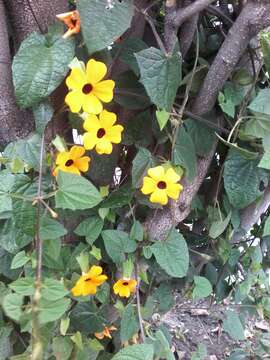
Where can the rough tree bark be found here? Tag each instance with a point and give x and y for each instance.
(25, 16)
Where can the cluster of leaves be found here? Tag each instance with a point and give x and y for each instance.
(100, 221)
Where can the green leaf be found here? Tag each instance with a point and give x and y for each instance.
(52, 310)
(141, 163)
(261, 105)
(86, 317)
(136, 232)
(202, 289)
(265, 161)
(5, 342)
(163, 297)
(244, 181)
(62, 347)
(135, 352)
(265, 47)
(51, 229)
(160, 75)
(103, 22)
(129, 47)
(129, 324)
(90, 228)
(184, 153)
(19, 260)
(43, 113)
(75, 192)
(23, 286)
(203, 136)
(233, 326)
(53, 289)
(12, 305)
(40, 66)
(6, 184)
(117, 243)
(266, 229)
(218, 227)
(162, 347)
(27, 150)
(119, 197)
(162, 118)
(172, 254)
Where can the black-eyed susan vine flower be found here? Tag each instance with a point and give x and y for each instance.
(105, 333)
(72, 161)
(72, 20)
(88, 89)
(125, 287)
(101, 132)
(89, 282)
(161, 184)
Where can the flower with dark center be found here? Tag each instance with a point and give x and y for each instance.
(161, 184)
(72, 161)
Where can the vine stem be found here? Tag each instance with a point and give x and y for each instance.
(139, 303)
(37, 346)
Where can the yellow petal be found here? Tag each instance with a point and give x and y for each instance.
(83, 163)
(132, 284)
(91, 104)
(173, 190)
(70, 169)
(89, 140)
(77, 290)
(74, 100)
(100, 279)
(91, 123)
(149, 185)
(62, 157)
(104, 147)
(95, 70)
(171, 176)
(76, 152)
(94, 271)
(107, 119)
(90, 288)
(76, 80)
(124, 291)
(104, 90)
(157, 173)
(159, 197)
(114, 134)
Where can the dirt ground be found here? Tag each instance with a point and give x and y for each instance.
(198, 322)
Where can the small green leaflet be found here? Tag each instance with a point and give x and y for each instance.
(202, 289)
(162, 118)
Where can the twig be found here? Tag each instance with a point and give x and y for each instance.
(154, 30)
(139, 303)
(37, 346)
(184, 14)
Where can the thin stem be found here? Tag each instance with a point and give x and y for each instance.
(37, 346)
(139, 303)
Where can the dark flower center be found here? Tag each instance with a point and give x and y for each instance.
(69, 162)
(125, 283)
(87, 88)
(89, 279)
(101, 132)
(161, 185)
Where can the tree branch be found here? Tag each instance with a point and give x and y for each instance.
(184, 14)
(251, 215)
(254, 17)
(11, 119)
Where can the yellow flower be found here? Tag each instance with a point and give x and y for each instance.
(72, 161)
(124, 287)
(161, 185)
(87, 89)
(101, 132)
(88, 283)
(72, 21)
(105, 333)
